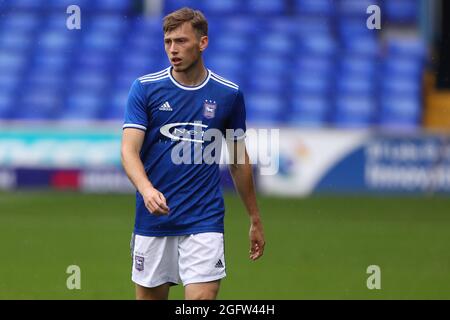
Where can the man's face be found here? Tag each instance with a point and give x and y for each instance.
(184, 46)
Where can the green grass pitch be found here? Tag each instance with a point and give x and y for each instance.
(317, 248)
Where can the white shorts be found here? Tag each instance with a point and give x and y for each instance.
(187, 259)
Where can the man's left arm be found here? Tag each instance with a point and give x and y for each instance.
(242, 174)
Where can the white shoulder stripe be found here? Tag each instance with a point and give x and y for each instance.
(155, 74)
(155, 79)
(223, 79)
(152, 77)
(224, 83)
(132, 125)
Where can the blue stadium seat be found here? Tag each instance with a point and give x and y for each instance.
(113, 5)
(7, 104)
(226, 65)
(401, 11)
(111, 23)
(248, 25)
(115, 110)
(21, 21)
(12, 61)
(51, 61)
(315, 7)
(354, 111)
(266, 82)
(29, 4)
(272, 64)
(403, 85)
(172, 5)
(320, 45)
(43, 78)
(219, 7)
(355, 7)
(309, 110)
(276, 43)
(52, 40)
(264, 108)
(402, 111)
(230, 43)
(17, 41)
(358, 64)
(83, 105)
(314, 64)
(64, 4)
(404, 66)
(90, 79)
(361, 45)
(312, 83)
(267, 7)
(40, 103)
(288, 25)
(101, 41)
(355, 84)
(9, 81)
(412, 47)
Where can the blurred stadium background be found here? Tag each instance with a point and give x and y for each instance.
(364, 167)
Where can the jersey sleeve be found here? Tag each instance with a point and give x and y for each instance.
(236, 121)
(136, 115)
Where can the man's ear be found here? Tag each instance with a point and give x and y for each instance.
(203, 43)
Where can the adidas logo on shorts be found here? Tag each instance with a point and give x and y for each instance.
(219, 264)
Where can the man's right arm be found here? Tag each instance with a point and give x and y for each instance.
(132, 140)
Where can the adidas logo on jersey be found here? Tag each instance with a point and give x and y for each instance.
(219, 264)
(166, 107)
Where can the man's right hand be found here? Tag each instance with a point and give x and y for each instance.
(155, 202)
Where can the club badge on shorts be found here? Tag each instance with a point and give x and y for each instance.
(209, 109)
(139, 263)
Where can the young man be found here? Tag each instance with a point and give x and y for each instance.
(178, 233)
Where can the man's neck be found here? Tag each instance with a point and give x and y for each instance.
(191, 77)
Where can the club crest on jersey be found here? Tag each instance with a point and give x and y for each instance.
(139, 263)
(209, 109)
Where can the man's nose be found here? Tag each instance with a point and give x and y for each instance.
(173, 48)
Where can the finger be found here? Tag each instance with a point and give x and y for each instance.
(154, 207)
(163, 202)
(160, 207)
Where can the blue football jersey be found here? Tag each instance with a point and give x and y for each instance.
(164, 108)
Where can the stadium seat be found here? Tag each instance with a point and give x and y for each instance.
(315, 7)
(312, 83)
(320, 45)
(83, 105)
(6, 103)
(353, 111)
(12, 61)
(314, 64)
(219, 7)
(402, 111)
(401, 11)
(113, 5)
(355, 84)
(265, 108)
(29, 4)
(267, 7)
(276, 43)
(309, 110)
(15, 41)
(21, 21)
(40, 103)
(355, 8)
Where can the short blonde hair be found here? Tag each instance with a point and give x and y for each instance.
(177, 18)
